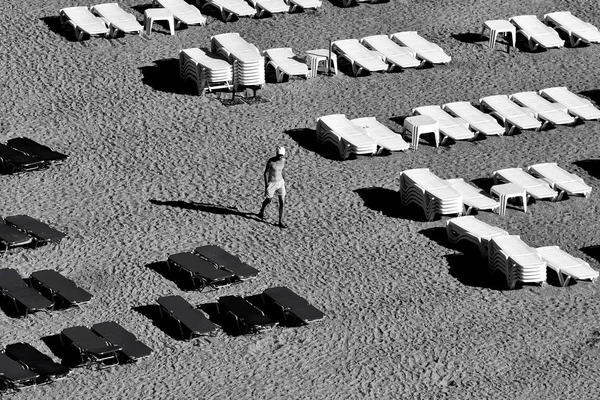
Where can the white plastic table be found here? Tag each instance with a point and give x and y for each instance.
(507, 191)
(500, 27)
(158, 14)
(420, 124)
(314, 57)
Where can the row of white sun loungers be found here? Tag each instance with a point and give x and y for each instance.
(101, 20)
(451, 127)
(183, 12)
(256, 8)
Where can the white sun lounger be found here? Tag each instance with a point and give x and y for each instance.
(549, 113)
(206, 69)
(285, 62)
(231, 8)
(304, 4)
(117, 19)
(534, 187)
(384, 136)
(183, 12)
(422, 47)
(536, 33)
(472, 230)
(577, 30)
(561, 180)
(348, 138)
(516, 260)
(248, 63)
(451, 127)
(473, 198)
(83, 22)
(358, 56)
(576, 105)
(566, 266)
(269, 7)
(478, 121)
(511, 115)
(392, 53)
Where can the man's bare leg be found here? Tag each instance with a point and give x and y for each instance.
(261, 213)
(281, 206)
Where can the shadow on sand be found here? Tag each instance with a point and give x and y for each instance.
(164, 76)
(209, 208)
(307, 138)
(591, 166)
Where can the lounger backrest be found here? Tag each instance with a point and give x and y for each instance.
(532, 25)
(13, 371)
(11, 280)
(113, 12)
(206, 59)
(354, 49)
(517, 250)
(520, 177)
(339, 124)
(415, 41)
(536, 102)
(467, 111)
(568, 21)
(35, 360)
(566, 97)
(476, 227)
(374, 128)
(503, 105)
(386, 46)
(63, 286)
(85, 338)
(282, 56)
(441, 116)
(553, 172)
(82, 16)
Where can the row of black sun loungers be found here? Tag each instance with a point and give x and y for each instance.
(60, 291)
(24, 154)
(22, 230)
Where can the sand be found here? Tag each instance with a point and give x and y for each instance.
(155, 169)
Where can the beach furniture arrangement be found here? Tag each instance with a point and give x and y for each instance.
(207, 70)
(518, 262)
(429, 192)
(303, 4)
(575, 105)
(423, 48)
(317, 57)
(360, 58)
(230, 8)
(450, 127)
(190, 321)
(419, 125)
(117, 19)
(285, 63)
(536, 33)
(183, 12)
(59, 288)
(473, 198)
(349, 139)
(246, 317)
(41, 232)
(222, 259)
(248, 63)
(478, 121)
(83, 22)
(90, 348)
(545, 111)
(201, 273)
(506, 191)
(269, 7)
(152, 15)
(560, 179)
(14, 375)
(25, 299)
(500, 27)
(291, 305)
(512, 115)
(385, 138)
(566, 266)
(534, 187)
(391, 52)
(577, 30)
(37, 362)
(472, 230)
(131, 348)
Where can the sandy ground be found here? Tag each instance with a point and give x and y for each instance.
(152, 165)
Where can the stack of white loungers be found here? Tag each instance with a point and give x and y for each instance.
(248, 63)
(516, 260)
(349, 138)
(472, 230)
(207, 70)
(431, 193)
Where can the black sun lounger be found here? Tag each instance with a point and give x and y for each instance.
(131, 347)
(59, 287)
(41, 232)
(291, 304)
(90, 347)
(247, 317)
(12, 161)
(13, 286)
(35, 149)
(202, 273)
(227, 261)
(186, 316)
(12, 237)
(14, 375)
(36, 361)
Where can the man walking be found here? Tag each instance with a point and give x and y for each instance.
(274, 184)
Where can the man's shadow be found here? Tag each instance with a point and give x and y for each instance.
(209, 208)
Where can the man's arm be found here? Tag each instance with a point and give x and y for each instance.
(266, 174)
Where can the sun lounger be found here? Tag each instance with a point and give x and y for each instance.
(478, 121)
(549, 113)
(14, 375)
(304, 4)
(349, 139)
(285, 62)
(116, 335)
(451, 127)
(14, 287)
(518, 262)
(512, 116)
(226, 261)
(566, 266)
(12, 237)
(472, 230)
(247, 317)
(201, 272)
(34, 149)
(249, 64)
(429, 192)
(91, 348)
(231, 8)
(577, 106)
(117, 19)
(359, 57)
(392, 53)
(12, 161)
(183, 12)
(473, 198)
(83, 22)
(577, 30)
(269, 7)
(188, 318)
(291, 305)
(536, 188)
(561, 180)
(207, 70)
(41, 232)
(59, 288)
(423, 48)
(383, 136)
(36, 361)
(536, 33)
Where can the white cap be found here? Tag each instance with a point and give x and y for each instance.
(281, 151)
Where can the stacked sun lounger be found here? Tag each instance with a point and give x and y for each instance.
(561, 180)
(536, 188)
(429, 192)
(472, 230)
(248, 63)
(575, 105)
(451, 127)
(518, 262)
(566, 266)
(349, 139)
(383, 136)
(549, 113)
(473, 198)
(577, 30)
(207, 70)
(423, 48)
